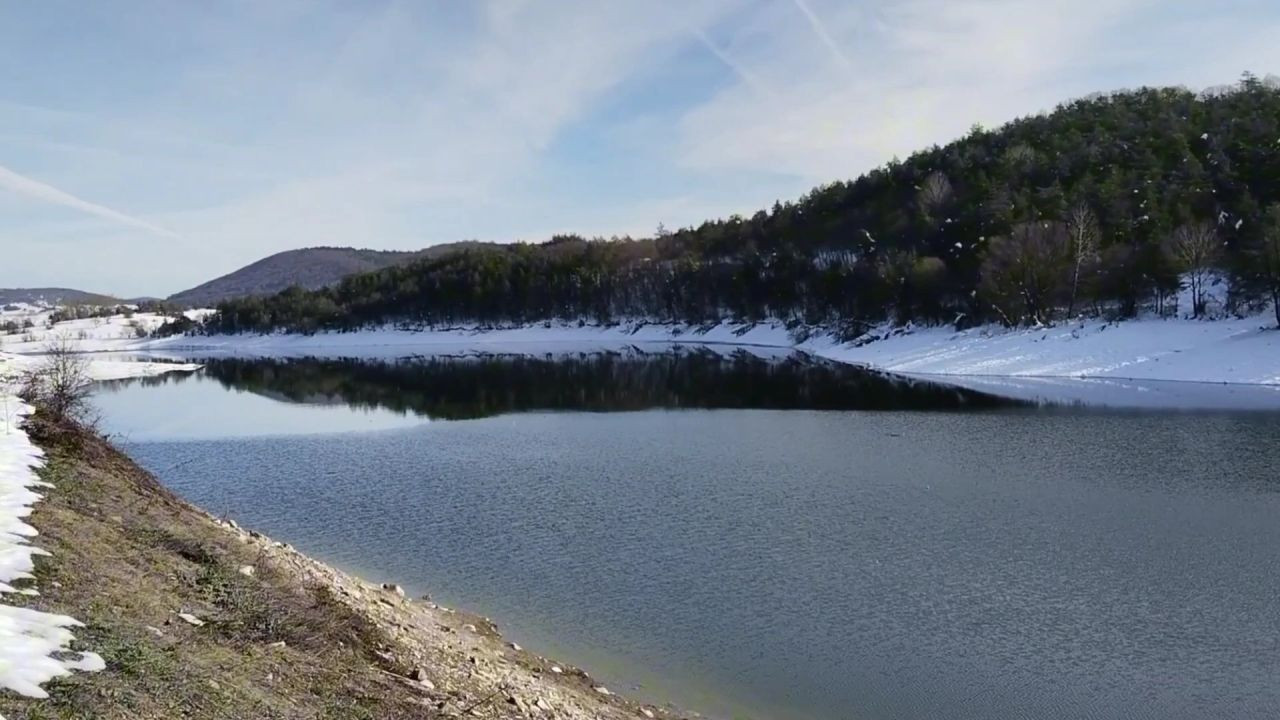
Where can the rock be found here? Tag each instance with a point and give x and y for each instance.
(542, 705)
(516, 647)
(155, 631)
(602, 690)
(556, 669)
(469, 627)
(427, 684)
(55, 584)
(646, 712)
(246, 570)
(191, 619)
(279, 644)
(393, 588)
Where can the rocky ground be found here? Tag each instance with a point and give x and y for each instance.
(199, 618)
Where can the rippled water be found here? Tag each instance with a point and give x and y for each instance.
(795, 563)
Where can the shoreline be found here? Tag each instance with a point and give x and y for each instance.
(135, 563)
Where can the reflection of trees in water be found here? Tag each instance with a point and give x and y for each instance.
(474, 387)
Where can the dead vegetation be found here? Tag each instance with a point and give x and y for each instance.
(197, 618)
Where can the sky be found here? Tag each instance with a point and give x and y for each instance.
(148, 145)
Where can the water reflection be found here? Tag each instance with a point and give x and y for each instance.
(473, 387)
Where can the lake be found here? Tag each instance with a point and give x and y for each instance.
(766, 537)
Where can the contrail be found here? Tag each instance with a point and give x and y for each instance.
(823, 35)
(24, 185)
(747, 76)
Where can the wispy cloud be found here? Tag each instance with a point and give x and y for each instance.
(823, 35)
(743, 74)
(399, 124)
(37, 190)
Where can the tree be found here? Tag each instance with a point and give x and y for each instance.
(1022, 274)
(935, 192)
(1194, 247)
(1264, 256)
(1083, 235)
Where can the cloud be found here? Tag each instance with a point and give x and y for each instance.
(257, 127)
(821, 31)
(37, 190)
(921, 72)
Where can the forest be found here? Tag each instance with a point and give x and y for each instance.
(1111, 205)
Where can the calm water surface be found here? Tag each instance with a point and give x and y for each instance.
(731, 551)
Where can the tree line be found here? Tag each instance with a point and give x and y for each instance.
(1109, 205)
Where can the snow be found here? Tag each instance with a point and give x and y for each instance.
(34, 646)
(89, 334)
(1144, 353)
(1224, 351)
(99, 336)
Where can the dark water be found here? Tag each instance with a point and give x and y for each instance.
(1003, 562)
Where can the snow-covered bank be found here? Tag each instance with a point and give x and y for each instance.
(97, 368)
(1141, 360)
(33, 645)
(1241, 351)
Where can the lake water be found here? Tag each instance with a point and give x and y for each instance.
(767, 538)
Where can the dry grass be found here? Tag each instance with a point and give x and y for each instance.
(128, 555)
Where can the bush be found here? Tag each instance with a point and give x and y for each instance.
(59, 386)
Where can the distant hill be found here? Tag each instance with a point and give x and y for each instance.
(54, 296)
(309, 268)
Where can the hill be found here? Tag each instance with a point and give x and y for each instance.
(54, 296)
(1105, 206)
(308, 268)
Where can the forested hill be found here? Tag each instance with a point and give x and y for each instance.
(308, 268)
(1100, 206)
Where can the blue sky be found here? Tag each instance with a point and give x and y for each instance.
(149, 145)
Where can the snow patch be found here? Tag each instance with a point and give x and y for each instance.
(34, 646)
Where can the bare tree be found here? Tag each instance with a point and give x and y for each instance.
(1265, 258)
(1023, 274)
(1083, 236)
(1194, 247)
(935, 192)
(60, 385)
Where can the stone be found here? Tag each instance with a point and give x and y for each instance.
(469, 627)
(155, 631)
(246, 570)
(191, 619)
(279, 644)
(556, 669)
(543, 705)
(393, 588)
(602, 690)
(646, 712)
(516, 647)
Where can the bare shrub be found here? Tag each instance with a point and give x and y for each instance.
(60, 385)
